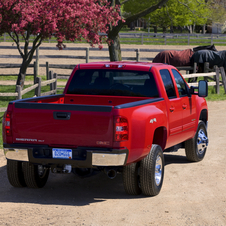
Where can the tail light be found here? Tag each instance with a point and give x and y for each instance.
(121, 129)
(7, 126)
(114, 66)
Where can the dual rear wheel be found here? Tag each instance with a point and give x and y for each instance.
(22, 174)
(145, 176)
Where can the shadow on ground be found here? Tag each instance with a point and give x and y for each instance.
(69, 189)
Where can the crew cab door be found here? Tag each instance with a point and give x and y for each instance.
(188, 104)
(175, 110)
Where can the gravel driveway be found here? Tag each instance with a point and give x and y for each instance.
(192, 193)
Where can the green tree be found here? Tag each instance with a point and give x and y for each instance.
(217, 9)
(114, 47)
(174, 12)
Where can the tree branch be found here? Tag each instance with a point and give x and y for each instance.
(26, 39)
(151, 9)
(38, 40)
(17, 41)
(125, 2)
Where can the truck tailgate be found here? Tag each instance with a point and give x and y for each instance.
(62, 124)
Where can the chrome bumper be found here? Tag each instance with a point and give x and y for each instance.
(93, 157)
(101, 159)
(16, 154)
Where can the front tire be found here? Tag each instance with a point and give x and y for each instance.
(35, 176)
(152, 171)
(15, 173)
(195, 148)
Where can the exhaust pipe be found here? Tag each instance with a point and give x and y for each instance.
(111, 173)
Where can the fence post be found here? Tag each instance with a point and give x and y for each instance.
(87, 55)
(223, 77)
(38, 89)
(188, 39)
(142, 39)
(47, 70)
(194, 67)
(35, 71)
(4, 37)
(55, 83)
(50, 77)
(206, 67)
(37, 61)
(217, 79)
(211, 39)
(137, 55)
(165, 40)
(18, 88)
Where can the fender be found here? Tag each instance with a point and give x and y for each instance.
(144, 122)
(200, 106)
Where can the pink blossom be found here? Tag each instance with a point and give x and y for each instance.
(64, 19)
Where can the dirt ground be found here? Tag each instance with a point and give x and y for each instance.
(192, 193)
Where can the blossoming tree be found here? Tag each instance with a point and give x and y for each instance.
(64, 19)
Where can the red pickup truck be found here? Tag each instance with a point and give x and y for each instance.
(115, 117)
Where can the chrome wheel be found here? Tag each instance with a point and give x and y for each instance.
(202, 142)
(158, 170)
(195, 148)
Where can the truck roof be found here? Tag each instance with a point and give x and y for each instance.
(122, 64)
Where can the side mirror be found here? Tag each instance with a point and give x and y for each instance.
(203, 89)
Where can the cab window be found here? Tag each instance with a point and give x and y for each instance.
(181, 85)
(168, 83)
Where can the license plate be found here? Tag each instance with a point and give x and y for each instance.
(62, 153)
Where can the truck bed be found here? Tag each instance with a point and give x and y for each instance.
(67, 120)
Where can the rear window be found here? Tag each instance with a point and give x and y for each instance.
(113, 83)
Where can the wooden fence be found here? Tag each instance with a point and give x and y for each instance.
(159, 38)
(37, 87)
(86, 57)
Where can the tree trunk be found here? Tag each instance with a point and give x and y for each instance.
(22, 73)
(171, 29)
(155, 29)
(114, 49)
(204, 29)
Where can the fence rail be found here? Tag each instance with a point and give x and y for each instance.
(37, 86)
(157, 38)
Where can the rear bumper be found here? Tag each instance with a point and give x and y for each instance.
(82, 157)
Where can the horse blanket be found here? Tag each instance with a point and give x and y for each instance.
(214, 58)
(176, 58)
(179, 58)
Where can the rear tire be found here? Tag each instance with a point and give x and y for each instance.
(15, 173)
(195, 148)
(35, 176)
(131, 179)
(152, 171)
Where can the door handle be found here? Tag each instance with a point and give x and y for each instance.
(184, 106)
(172, 109)
(62, 115)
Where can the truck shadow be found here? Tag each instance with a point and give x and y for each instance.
(175, 159)
(69, 189)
